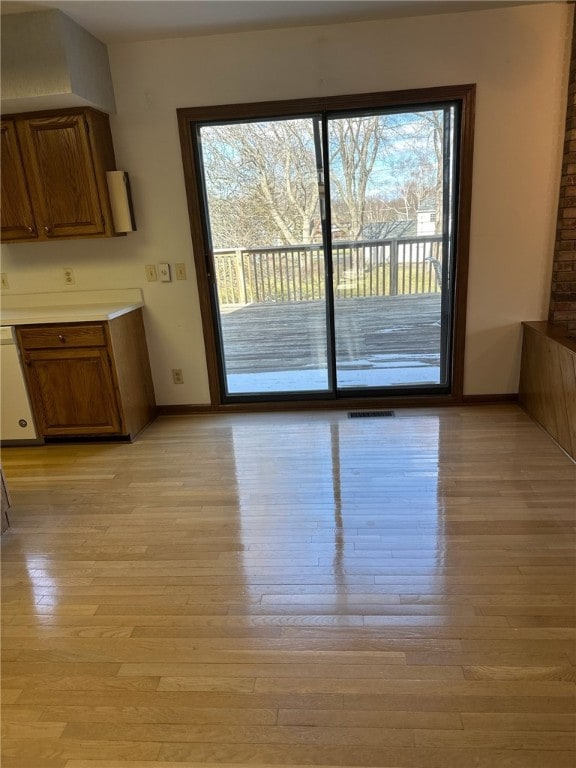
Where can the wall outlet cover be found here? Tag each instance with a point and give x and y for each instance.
(151, 273)
(180, 271)
(69, 276)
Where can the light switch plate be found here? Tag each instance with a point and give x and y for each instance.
(164, 273)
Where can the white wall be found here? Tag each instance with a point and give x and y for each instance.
(518, 57)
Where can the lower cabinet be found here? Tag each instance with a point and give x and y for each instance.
(89, 379)
(547, 389)
(73, 391)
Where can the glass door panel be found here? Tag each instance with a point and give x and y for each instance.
(391, 221)
(261, 182)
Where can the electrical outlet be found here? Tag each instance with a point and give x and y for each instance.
(5, 283)
(164, 273)
(180, 271)
(177, 376)
(151, 273)
(69, 276)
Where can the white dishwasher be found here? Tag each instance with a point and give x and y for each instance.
(16, 420)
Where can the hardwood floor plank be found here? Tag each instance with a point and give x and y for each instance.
(167, 712)
(565, 674)
(504, 721)
(200, 699)
(67, 749)
(486, 739)
(389, 668)
(364, 719)
(215, 683)
(62, 669)
(16, 762)
(245, 734)
(12, 713)
(32, 730)
(333, 684)
(441, 702)
(56, 682)
(160, 629)
(509, 657)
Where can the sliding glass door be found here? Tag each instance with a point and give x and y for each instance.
(391, 221)
(329, 243)
(265, 228)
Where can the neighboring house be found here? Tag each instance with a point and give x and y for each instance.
(426, 217)
(426, 222)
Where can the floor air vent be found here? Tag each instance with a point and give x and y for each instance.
(369, 414)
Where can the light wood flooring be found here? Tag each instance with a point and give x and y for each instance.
(293, 590)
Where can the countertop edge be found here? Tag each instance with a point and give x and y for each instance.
(71, 314)
(557, 333)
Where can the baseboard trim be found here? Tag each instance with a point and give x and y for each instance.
(445, 401)
(185, 410)
(502, 399)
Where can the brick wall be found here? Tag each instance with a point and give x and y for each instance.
(563, 294)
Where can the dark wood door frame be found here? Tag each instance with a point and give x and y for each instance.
(426, 97)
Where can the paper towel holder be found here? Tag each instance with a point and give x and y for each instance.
(121, 201)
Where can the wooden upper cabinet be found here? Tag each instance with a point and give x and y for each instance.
(64, 157)
(17, 219)
(62, 177)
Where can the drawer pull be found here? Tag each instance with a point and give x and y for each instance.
(62, 338)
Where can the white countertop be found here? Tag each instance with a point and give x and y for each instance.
(72, 307)
(81, 313)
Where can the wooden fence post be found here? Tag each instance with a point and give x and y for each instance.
(240, 276)
(394, 267)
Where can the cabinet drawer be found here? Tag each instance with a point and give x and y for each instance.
(60, 336)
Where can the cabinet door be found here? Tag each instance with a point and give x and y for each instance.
(63, 186)
(17, 220)
(72, 392)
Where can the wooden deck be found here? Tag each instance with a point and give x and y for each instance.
(292, 336)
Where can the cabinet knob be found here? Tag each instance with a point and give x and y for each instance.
(62, 338)
(30, 229)
(47, 228)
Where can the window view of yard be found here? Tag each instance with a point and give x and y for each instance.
(363, 204)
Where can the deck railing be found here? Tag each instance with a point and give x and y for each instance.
(361, 268)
